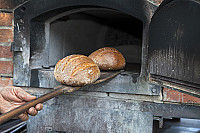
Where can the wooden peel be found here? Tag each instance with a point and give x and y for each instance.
(60, 89)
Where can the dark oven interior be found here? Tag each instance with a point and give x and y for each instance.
(55, 30)
(82, 31)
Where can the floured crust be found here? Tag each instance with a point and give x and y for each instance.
(76, 70)
(108, 59)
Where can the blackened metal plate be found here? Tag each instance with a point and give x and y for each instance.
(174, 42)
(171, 110)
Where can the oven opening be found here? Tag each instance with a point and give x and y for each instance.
(82, 32)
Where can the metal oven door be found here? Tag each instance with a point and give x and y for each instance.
(174, 46)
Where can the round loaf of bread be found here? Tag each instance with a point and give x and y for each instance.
(76, 70)
(108, 58)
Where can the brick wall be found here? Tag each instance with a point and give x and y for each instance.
(6, 37)
(170, 95)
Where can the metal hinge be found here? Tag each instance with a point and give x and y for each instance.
(16, 48)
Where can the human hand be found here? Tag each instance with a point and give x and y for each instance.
(12, 97)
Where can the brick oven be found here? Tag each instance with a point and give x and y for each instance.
(160, 44)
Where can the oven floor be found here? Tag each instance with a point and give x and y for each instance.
(128, 76)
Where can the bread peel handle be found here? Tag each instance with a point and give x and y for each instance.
(60, 89)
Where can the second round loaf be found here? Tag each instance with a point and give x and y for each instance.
(108, 58)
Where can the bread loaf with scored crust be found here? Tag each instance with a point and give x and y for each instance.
(108, 58)
(76, 70)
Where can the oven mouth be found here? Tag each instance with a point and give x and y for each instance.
(82, 31)
(50, 33)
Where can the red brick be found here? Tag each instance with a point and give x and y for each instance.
(171, 95)
(6, 67)
(6, 82)
(6, 35)
(190, 99)
(5, 51)
(6, 19)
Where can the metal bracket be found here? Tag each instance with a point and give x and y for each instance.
(160, 119)
(155, 88)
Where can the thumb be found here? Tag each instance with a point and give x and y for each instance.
(23, 95)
